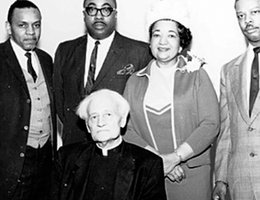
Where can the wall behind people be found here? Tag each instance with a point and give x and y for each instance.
(216, 34)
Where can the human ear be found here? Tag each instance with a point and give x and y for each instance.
(123, 121)
(86, 123)
(8, 27)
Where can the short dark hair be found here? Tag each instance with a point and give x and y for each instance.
(184, 33)
(86, 0)
(20, 4)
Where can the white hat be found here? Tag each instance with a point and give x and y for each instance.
(168, 9)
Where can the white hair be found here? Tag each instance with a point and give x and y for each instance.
(121, 103)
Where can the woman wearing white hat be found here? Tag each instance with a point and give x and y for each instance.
(174, 108)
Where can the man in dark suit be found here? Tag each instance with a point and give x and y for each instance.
(26, 105)
(107, 167)
(116, 58)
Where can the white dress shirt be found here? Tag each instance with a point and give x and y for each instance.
(102, 51)
(22, 59)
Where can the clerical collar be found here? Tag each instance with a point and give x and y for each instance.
(113, 149)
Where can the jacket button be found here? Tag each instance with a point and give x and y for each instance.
(68, 109)
(65, 185)
(28, 101)
(21, 155)
(250, 128)
(252, 154)
(26, 128)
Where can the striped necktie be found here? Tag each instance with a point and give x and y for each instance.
(92, 69)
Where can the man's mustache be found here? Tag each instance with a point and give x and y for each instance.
(250, 26)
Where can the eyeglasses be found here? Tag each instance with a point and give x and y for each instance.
(105, 11)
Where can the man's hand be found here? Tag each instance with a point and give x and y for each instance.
(220, 191)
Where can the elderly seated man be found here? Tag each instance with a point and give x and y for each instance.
(107, 168)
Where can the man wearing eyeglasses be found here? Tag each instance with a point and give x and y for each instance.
(100, 59)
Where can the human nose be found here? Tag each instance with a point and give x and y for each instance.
(248, 19)
(99, 14)
(101, 121)
(30, 30)
(163, 40)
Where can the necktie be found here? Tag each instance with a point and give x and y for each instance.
(30, 67)
(254, 84)
(92, 68)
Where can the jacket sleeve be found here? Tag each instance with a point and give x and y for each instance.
(154, 189)
(208, 115)
(58, 81)
(224, 140)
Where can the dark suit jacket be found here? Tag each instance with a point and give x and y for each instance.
(15, 106)
(139, 174)
(124, 57)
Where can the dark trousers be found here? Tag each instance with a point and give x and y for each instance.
(34, 182)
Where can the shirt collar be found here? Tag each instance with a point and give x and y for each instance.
(110, 149)
(20, 54)
(147, 71)
(250, 47)
(105, 41)
(19, 51)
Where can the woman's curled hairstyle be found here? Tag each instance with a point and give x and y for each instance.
(184, 33)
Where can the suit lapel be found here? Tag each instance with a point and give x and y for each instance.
(44, 66)
(14, 65)
(238, 87)
(182, 82)
(113, 55)
(79, 65)
(125, 174)
(46, 72)
(256, 108)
